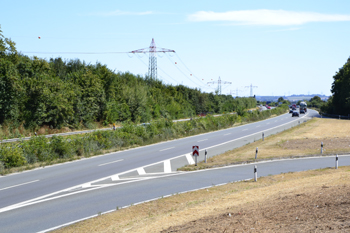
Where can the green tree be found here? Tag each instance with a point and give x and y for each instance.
(341, 91)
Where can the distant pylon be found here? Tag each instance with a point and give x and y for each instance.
(219, 84)
(152, 50)
(232, 92)
(251, 89)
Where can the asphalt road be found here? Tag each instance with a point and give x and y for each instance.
(44, 198)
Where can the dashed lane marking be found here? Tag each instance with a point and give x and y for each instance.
(19, 185)
(111, 162)
(167, 148)
(203, 140)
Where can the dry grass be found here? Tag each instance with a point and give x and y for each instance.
(180, 209)
(303, 140)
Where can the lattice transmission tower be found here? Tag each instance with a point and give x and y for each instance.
(232, 92)
(219, 84)
(152, 64)
(251, 89)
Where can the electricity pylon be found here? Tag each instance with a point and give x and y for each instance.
(152, 50)
(219, 84)
(251, 89)
(232, 92)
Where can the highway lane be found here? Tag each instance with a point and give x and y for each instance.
(73, 206)
(31, 184)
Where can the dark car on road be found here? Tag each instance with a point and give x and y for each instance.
(291, 111)
(302, 111)
(295, 114)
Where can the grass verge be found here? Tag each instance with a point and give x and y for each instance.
(300, 141)
(234, 198)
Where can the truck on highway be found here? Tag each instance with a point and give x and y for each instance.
(303, 106)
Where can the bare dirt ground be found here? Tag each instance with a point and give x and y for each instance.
(323, 208)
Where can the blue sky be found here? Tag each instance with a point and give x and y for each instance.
(281, 47)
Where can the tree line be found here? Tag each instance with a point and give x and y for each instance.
(339, 102)
(70, 93)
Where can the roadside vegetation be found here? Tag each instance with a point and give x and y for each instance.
(42, 151)
(339, 102)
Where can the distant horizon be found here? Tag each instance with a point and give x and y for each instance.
(294, 95)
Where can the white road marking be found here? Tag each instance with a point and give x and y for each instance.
(189, 159)
(146, 201)
(141, 171)
(244, 129)
(203, 140)
(188, 156)
(111, 162)
(87, 185)
(227, 134)
(115, 177)
(167, 166)
(167, 148)
(19, 185)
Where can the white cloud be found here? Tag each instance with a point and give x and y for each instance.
(118, 13)
(267, 17)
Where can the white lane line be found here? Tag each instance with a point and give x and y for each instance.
(87, 185)
(203, 140)
(141, 171)
(244, 129)
(227, 134)
(188, 156)
(189, 159)
(167, 148)
(111, 162)
(167, 166)
(19, 185)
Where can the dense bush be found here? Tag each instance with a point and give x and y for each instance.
(41, 149)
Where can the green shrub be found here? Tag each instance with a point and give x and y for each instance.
(12, 156)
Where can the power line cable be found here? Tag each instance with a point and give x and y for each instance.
(158, 68)
(184, 73)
